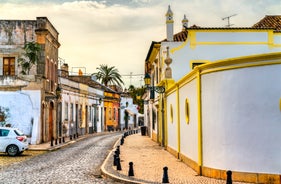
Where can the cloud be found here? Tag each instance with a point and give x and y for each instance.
(119, 32)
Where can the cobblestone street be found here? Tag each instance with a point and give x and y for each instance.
(77, 163)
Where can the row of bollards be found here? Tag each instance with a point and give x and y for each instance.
(57, 141)
(165, 178)
(62, 139)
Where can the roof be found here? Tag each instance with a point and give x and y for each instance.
(270, 21)
(179, 37)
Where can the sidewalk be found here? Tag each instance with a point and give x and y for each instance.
(47, 146)
(149, 159)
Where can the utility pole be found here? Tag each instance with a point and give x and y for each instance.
(228, 22)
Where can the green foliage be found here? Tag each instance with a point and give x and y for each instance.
(136, 94)
(108, 75)
(30, 57)
(4, 115)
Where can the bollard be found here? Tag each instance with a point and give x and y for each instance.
(74, 136)
(52, 144)
(165, 175)
(118, 164)
(60, 140)
(56, 141)
(77, 135)
(122, 141)
(118, 150)
(131, 169)
(228, 179)
(115, 160)
(116, 153)
(63, 140)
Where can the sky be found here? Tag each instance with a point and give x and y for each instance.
(119, 32)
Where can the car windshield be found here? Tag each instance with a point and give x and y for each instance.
(18, 132)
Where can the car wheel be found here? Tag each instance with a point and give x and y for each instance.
(12, 150)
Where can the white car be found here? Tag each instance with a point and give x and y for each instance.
(12, 141)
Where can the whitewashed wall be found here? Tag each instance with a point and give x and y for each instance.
(189, 132)
(212, 46)
(172, 122)
(242, 119)
(24, 108)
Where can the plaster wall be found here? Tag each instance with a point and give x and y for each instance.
(241, 119)
(171, 118)
(189, 130)
(24, 111)
(213, 46)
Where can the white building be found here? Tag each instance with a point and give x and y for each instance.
(81, 105)
(129, 114)
(221, 108)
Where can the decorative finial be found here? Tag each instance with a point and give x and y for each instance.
(168, 61)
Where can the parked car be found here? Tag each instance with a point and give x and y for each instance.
(12, 141)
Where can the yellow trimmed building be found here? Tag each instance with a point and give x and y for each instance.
(222, 106)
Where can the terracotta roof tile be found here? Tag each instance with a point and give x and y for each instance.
(179, 37)
(270, 21)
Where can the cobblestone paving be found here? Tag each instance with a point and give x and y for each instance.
(77, 163)
(6, 160)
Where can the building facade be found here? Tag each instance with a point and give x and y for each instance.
(221, 107)
(30, 98)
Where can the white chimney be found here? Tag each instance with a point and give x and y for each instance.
(184, 23)
(170, 25)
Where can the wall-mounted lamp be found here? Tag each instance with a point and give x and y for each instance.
(99, 101)
(147, 81)
(58, 92)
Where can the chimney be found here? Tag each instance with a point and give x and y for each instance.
(169, 25)
(64, 70)
(184, 23)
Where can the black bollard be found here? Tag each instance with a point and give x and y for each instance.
(118, 150)
(165, 175)
(77, 135)
(52, 144)
(118, 164)
(63, 140)
(131, 169)
(122, 141)
(115, 160)
(228, 179)
(74, 136)
(70, 137)
(56, 141)
(60, 140)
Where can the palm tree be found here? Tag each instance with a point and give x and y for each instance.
(108, 75)
(30, 57)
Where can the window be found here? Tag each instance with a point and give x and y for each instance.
(194, 63)
(4, 132)
(8, 66)
(66, 110)
(114, 114)
(186, 111)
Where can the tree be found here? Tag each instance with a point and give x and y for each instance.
(108, 75)
(136, 94)
(30, 57)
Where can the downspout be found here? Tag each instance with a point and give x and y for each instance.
(163, 122)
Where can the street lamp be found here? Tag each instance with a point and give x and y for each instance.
(147, 81)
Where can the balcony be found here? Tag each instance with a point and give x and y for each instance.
(8, 83)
